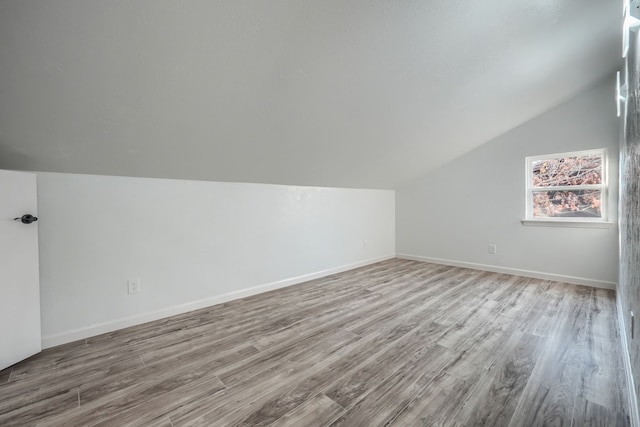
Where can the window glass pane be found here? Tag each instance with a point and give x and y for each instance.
(575, 170)
(575, 203)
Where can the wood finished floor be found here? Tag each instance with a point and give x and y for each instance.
(397, 343)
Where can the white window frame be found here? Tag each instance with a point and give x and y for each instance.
(601, 222)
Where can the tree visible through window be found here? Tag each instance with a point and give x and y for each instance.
(567, 185)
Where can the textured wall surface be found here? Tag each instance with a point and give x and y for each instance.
(629, 287)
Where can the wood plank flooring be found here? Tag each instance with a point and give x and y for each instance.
(397, 343)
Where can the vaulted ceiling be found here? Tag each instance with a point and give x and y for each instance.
(359, 93)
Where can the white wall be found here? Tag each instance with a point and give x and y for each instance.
(191, 243)
(453, 213)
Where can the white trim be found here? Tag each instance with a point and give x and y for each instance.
(630, 22)
(631, 389)
(622, 92)
(571, 224)
(515, 271)
(125, 322)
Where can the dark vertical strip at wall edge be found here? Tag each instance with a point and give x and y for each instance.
(629, 221)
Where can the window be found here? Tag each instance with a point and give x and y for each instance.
(567, 187)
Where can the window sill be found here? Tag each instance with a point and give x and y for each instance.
(570, 224)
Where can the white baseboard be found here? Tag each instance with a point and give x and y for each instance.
(631, 388)
(125, 322)
(514, 271)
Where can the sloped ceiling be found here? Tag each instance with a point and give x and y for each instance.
(354, 93)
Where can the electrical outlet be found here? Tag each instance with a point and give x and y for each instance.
(133, 286)
(493, 248)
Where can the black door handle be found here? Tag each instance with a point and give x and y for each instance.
(26, 219)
